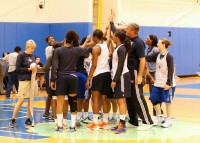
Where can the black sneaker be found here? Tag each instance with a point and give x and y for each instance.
(28, 122)
(12, 123)
(51, 118)
(72, 129)
(59, 129)
(44, 116)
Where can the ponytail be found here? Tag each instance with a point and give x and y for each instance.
(127, 43)
(124, 40)
(166, 42)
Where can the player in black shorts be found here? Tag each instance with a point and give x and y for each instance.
(64, 78)
(121, 77)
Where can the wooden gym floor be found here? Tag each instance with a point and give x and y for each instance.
(185, 129)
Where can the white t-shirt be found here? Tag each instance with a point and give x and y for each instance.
(48, 51)
(11, 59)
(161, 74)
(115, 60)
(102, 61)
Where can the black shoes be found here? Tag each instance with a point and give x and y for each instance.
(12, 123)
(28, 122)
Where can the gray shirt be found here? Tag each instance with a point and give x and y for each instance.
(152, 65)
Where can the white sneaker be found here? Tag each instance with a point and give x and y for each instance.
(167, 123)
(87, 120)
(144, 127)
(158, 121)
(128, 125)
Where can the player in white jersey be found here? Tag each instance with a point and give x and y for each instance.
(164, 82)
(121, 77)
(100, 79)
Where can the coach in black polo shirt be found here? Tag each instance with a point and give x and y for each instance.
(136, 62)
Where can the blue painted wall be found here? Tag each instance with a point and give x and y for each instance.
(58, 30)
(185, 49)
(13, 34)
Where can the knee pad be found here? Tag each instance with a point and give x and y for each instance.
(66, 97)
(54, 97)
(73, 103)
(155, 103)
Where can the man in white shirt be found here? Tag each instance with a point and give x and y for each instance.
(12, 73)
